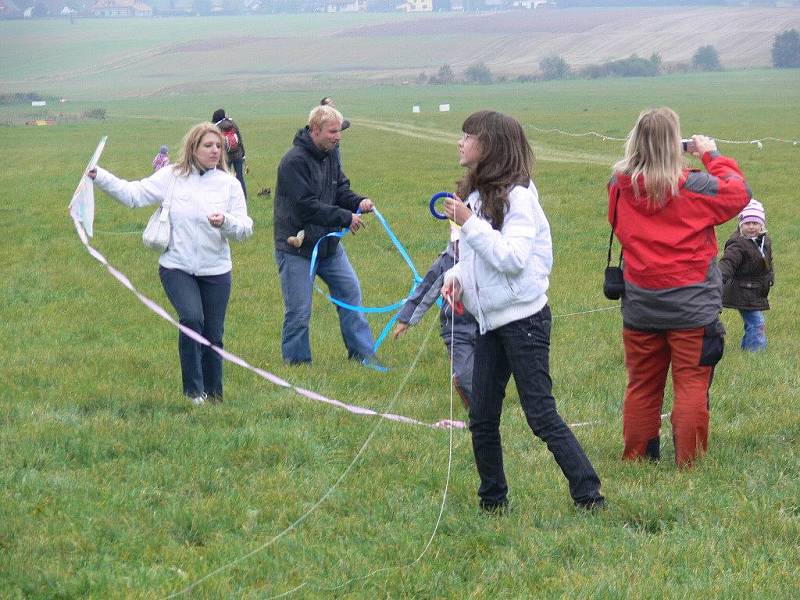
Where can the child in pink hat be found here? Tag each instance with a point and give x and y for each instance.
(747, 274)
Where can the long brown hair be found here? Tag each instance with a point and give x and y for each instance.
(653, 150)
(191, 141)
(506, 160)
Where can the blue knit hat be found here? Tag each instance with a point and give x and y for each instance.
(163, 150)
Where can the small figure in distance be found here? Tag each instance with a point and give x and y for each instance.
(328, 101)
(161, 159)
(234, 144)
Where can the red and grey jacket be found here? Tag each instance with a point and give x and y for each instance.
(672, 280)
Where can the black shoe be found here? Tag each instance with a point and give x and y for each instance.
(494, 508)
(593, 505)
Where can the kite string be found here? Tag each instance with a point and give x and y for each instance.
(324, 496)
(445, 491)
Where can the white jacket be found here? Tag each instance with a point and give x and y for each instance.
(194, 246)
(504, 274)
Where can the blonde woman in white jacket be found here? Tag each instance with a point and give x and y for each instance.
(502, 279)
(207, 208)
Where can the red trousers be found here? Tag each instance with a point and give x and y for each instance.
(648, 355)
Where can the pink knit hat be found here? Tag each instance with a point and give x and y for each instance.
(753, 213)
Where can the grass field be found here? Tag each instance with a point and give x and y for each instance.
(112, 486)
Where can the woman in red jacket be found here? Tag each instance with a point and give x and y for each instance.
(664, 216)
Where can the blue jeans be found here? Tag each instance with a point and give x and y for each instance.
(522, 348)
(238, 168)
(201, 302)
(755, 330)
(297, 288)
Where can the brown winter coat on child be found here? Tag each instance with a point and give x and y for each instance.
(746, 274)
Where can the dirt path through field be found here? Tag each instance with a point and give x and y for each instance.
(543, 152)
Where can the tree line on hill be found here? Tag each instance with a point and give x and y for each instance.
(785, 54)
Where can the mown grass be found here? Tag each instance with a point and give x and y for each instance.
(111, 485)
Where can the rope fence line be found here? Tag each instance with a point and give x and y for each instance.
(759, 142)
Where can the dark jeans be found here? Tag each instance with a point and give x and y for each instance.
(201, 302)
(238, 167)
(522, 348)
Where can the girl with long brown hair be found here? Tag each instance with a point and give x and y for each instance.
(502, 279)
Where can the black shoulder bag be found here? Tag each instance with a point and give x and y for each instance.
(613, 283)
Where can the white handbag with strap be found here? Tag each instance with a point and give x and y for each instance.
(157, 234)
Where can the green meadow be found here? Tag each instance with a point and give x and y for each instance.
(113, 486)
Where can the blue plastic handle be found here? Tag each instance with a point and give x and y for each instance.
(434, 198)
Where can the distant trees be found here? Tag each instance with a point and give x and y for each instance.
(706, 58)
(20, 98)
(94, 113)
(633, 66)
(443, 77)
(478, 73)
(786, 50)
(554, 67)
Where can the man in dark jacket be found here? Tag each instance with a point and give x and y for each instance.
(235, 148)
(313, 194)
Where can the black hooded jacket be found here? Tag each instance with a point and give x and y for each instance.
(313, 194)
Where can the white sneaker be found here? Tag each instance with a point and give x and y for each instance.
(197, 400)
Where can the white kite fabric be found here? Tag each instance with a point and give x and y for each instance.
(81, 207)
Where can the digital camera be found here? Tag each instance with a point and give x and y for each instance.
(688, 146)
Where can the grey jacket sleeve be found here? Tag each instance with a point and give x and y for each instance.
(426, 293)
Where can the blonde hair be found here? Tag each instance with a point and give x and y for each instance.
(320, 115)
(653, 150)
(191, 141)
